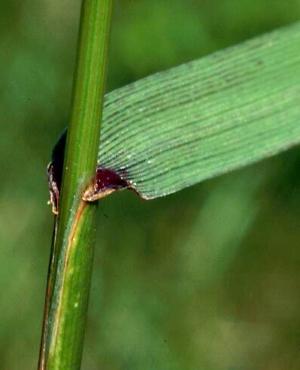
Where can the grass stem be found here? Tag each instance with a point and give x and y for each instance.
(72, 250)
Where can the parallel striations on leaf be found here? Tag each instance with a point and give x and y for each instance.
(207, 117)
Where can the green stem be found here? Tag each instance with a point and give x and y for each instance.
(72, 256)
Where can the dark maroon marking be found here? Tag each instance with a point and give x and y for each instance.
(105, 178)
(57, 160)
(108, 179)
(55, 170)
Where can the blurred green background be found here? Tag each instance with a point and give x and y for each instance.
(204, 279)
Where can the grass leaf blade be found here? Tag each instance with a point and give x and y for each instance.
(204, 118)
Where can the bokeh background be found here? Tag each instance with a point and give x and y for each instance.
(204, 279)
